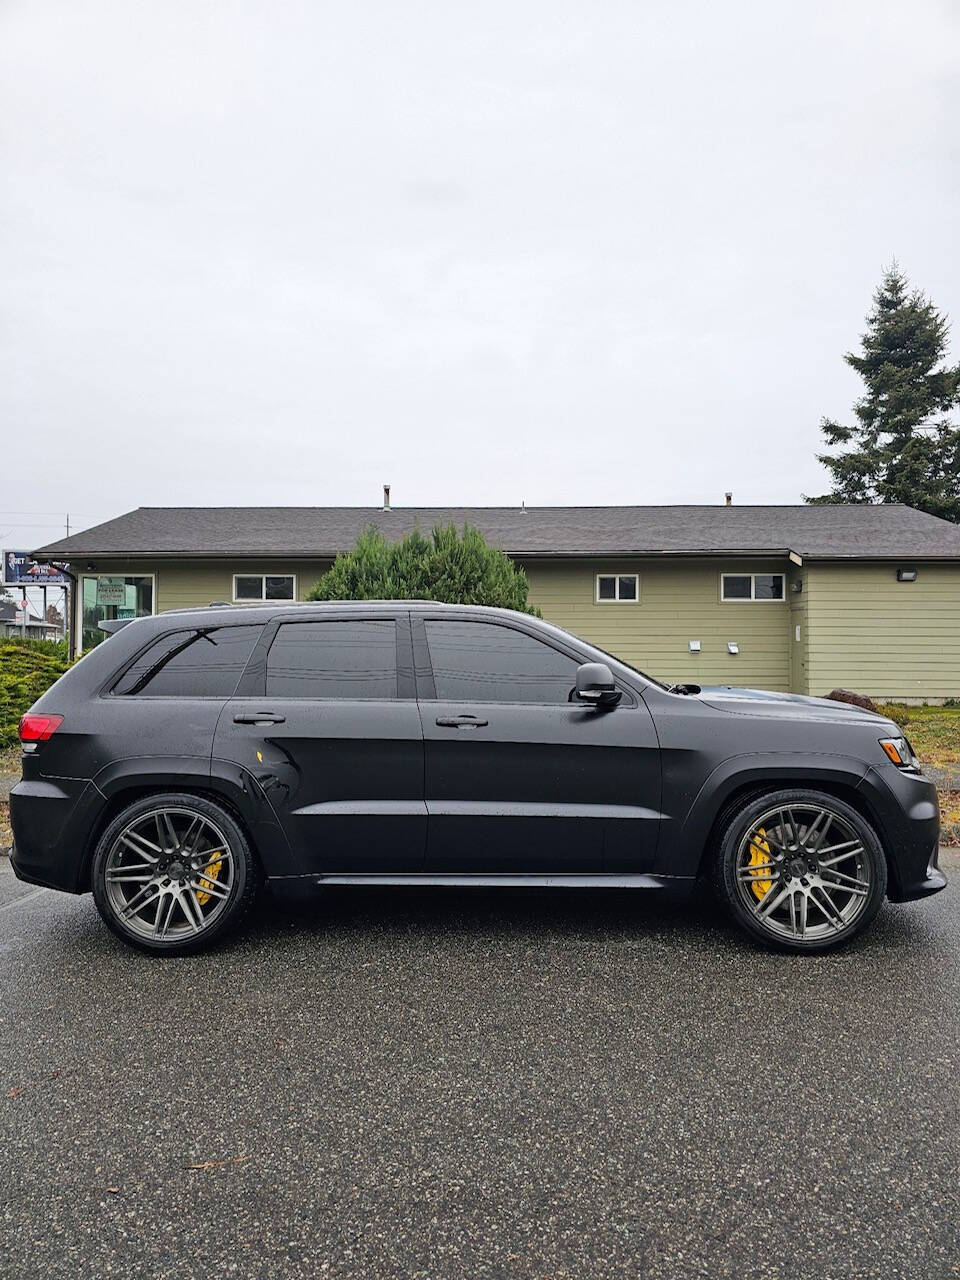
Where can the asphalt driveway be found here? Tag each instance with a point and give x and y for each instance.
(496, 1084)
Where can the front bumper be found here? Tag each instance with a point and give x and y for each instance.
(908, 810)
(51, 820)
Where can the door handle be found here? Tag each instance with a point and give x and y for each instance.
(460, 722)
(259, 717)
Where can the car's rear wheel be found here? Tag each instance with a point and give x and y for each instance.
(800, 869)
(172, 873)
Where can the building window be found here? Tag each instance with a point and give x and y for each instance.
(751, 586)
(618, 588)
(108, 597)
(264, 586)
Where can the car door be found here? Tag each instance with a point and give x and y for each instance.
(519, 778)
(326, 721)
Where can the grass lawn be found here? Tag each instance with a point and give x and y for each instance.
(934, 732)
(950, 812)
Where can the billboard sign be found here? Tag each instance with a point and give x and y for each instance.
(21, 570)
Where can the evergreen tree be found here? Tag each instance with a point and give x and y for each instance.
(459, 568)
(903, 446)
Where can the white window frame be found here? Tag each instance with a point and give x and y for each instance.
(263, 587)
(752, 598)
(626, 573)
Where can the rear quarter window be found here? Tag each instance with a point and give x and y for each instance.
(204, 663)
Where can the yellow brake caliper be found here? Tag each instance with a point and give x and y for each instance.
(210, 872)
(760, 857)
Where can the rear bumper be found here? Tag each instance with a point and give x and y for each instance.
(909, 812)
(51, 819)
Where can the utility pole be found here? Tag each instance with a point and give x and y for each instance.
(66, 602)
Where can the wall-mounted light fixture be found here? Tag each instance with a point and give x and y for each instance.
(732, 646)
(906, 575)
(694, 646)
(797, 586)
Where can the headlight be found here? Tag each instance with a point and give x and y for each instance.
(900, 752)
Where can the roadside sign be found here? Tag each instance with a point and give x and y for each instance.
(21, 570)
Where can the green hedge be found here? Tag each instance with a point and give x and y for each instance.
(27, 669)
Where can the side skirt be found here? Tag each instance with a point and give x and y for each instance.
(680, 885)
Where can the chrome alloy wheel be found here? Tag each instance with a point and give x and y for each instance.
(169, 875)
(803, 873)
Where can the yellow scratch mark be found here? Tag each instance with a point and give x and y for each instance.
(260, 756)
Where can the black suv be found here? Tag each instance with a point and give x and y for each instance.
(194, 754)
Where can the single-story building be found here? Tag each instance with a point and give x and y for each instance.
(794, 598)
(14, 622)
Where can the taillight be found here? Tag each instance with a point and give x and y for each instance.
(38, 728)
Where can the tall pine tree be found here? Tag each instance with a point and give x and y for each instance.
(903, 446)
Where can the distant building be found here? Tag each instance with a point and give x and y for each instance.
(34, 626)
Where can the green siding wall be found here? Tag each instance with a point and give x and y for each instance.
(859, 628)
(881, 637)
(186, 584)
(679, 602)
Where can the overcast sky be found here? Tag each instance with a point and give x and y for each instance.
(272, 252)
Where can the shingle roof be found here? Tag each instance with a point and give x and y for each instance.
(814, 531)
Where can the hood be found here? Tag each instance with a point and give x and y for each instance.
(793, 705)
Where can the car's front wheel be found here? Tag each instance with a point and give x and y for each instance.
(172, 873)
(801, 869)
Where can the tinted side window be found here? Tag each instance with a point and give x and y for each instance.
(333, 660)
(483, 662)
(191, 664)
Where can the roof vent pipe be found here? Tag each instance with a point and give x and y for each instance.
(729, 498)
(386, 497)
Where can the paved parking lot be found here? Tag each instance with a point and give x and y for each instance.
(498, 1084)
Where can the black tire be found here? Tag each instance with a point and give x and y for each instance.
(194, 926)
(855, 893)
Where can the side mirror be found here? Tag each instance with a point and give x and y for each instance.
(595, 684)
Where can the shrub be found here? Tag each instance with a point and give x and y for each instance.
(458, 568)
(27, 669)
